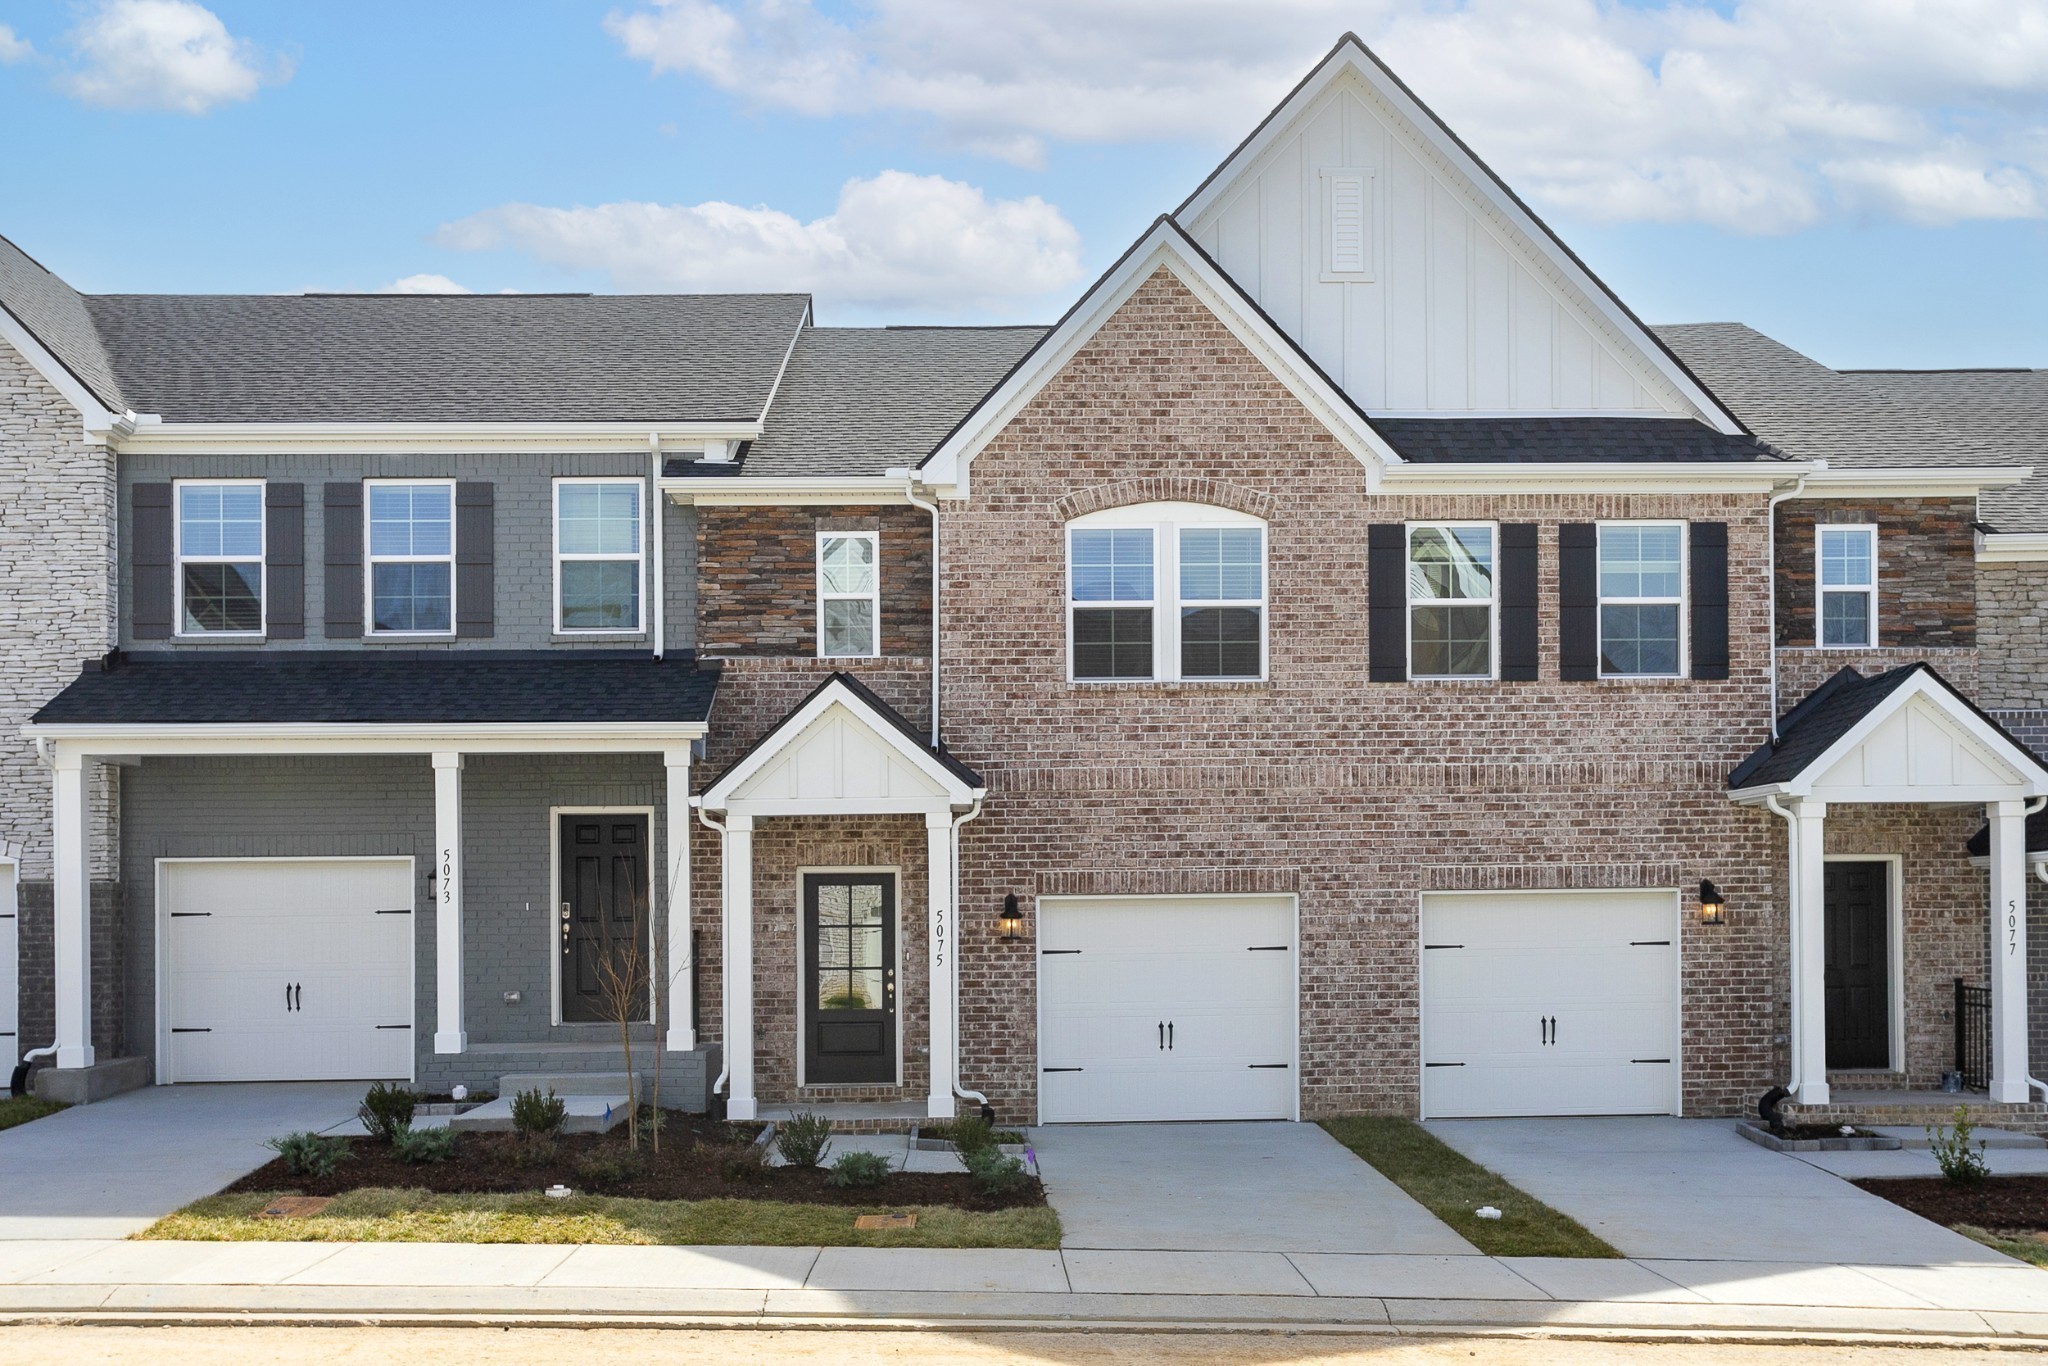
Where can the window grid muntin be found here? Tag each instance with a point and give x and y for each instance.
(1845, 592)
(1250, 573)
(374, 559)
(634, 563)
(841, 598)
(1163, 606)
(219, 555)
(1462, 605)
(1675, 600)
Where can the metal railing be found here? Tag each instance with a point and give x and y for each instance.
(1973, 1035)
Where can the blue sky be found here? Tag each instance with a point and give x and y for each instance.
(354, 146)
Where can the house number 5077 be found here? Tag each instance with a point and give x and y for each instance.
(2012, 927)
(447, 877)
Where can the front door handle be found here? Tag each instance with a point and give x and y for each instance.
(565, 927)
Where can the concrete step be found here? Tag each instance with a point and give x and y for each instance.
(586, 1115)
(1910, 1137)
(574, 1083)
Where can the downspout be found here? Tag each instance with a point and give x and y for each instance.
(718, 1086)
(958, 934)
(654, 488)
(910, 496)
(1791, 894)
(1771, 578)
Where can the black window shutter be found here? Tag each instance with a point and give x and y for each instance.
(1709, 597)
(284, 560)
(1578, 601)
(342, 505)
(475, 560)
(149, 561)
(1386, 590)
(1518, 602)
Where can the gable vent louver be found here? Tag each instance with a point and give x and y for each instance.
(1347, 199)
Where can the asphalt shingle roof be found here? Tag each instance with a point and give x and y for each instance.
(367, 688)
(882, 709)
(58, 317)
(862, 400)
(1879, 419)
(448, 358)
(1540, 440)
(2037, 837)
(1824, 716)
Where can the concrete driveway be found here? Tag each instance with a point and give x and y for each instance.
(1695, 1190)
(1271, 1187)
(106, 1170)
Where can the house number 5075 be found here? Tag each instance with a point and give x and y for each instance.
(939, 937)
(447, 877)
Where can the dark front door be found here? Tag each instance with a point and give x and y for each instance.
(1858, 972)
(601, 917)
(849, 978)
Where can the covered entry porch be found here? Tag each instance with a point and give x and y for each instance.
(1863, 980)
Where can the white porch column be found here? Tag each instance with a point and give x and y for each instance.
(1810, 929)
(2008, 951)
(676, 961)
(738, 977)
(448, 1033)
(943, 934)
(72, 859)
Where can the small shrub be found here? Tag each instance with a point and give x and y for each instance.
(858, 1171)
(969, 1133)
(1960, 1162)
(995, 1172)
(600, 1170)
(385, 1110)
(424, 1145)
(538, 1116)
(748, 1166)
(309, 1154)
(803, 1139)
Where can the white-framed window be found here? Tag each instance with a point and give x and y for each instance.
(1166, 592)
(409, 564)
(600, 556)
(1452, 621)
(1846, 581)
(849, 594)
(220, 546)
(1642, 599)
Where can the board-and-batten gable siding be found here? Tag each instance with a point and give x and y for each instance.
(1454, 313)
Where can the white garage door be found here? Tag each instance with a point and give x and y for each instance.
(288, 970)
(1166, 1008)
(1550, 1003)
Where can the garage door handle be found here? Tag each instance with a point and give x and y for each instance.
(287, 997)
(1162, 1036)
(298, 996)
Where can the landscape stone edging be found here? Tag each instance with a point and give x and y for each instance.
(1857, 1143)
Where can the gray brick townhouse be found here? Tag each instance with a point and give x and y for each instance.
(1347, 662)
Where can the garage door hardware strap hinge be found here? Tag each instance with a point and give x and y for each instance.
(1062, 1069)
(1649, 1060)
(394, 1026)
(402, 910)
(1266, 1066)
(1265, 948)
(190, 915)
(1049, 952)
(1443, 946)
(176, 1030)
(1443, 1064)
(1649, 943)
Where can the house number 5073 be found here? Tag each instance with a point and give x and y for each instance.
(447, 877)
(2012, 927)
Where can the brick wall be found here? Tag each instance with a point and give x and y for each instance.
(1926, 569)
(757, 577)
(2012, 633)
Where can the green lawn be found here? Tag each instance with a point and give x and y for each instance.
(21, 1109)
(1451, 1187)
(417, 1216)
(2021, 1249)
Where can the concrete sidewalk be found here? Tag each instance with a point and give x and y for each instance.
(432, 1282)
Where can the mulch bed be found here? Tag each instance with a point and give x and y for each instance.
(1997, 1202)
(694, 1164)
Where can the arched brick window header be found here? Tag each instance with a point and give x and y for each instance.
(1166, 489)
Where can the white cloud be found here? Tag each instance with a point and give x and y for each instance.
(13, 47)
(423, 284)
(1768, 116)
(165, 54)
(893, 241)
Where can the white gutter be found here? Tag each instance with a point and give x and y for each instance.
(1792, 933)
(1873, 482)
(1771, 580)
(660, 604)
(910, 494)
(959, 921)
(2012, 547)
(1692, 476)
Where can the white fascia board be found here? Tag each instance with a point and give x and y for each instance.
(1839, 481)
(1165, 245)
(1649, 476)
(2004, 547)
(98, 419)
(1351, 57)
(738, 490)
(834, 694)
(607, 737)
(370, 438)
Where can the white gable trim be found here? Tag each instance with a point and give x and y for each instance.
(1351, 58)
(2007, 772)
(742, 788)
(1164, 246)
(98, 419)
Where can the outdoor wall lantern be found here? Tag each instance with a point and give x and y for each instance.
(1713, 909)
(1010, 924)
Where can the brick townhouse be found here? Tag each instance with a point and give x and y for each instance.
(1349, 662)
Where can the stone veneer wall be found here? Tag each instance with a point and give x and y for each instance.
(757, 584)
(1926, 569)
(2012, 623)
(57, 560)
